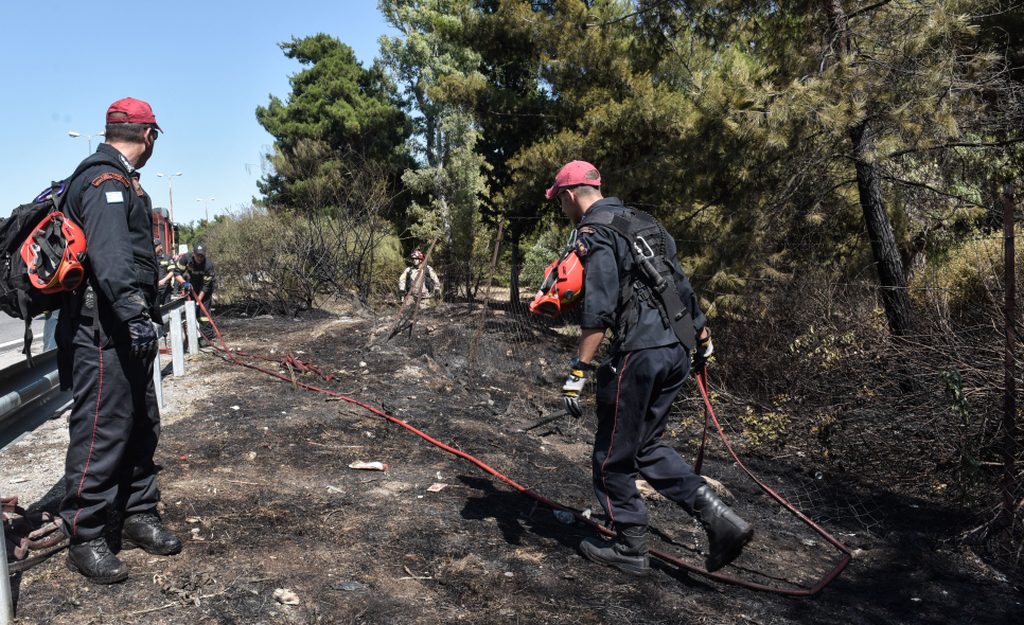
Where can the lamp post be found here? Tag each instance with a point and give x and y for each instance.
(75, 135)
(206, 205)
(170, 192)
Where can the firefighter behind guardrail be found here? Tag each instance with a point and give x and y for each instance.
(196, 274)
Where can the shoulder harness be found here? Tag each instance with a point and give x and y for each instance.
(646, 238)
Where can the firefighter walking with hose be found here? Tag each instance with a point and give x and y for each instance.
(633, 284)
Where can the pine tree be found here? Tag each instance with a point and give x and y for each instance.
(335, 108)
(437, 71)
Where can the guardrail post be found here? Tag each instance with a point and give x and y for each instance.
(157, 382)
(190, 326)
(177, 349)
(6, 601)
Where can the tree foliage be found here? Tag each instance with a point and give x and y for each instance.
(845, 135)
(336, 107)
(438, 72)
(734, 122)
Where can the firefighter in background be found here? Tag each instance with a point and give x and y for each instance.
(167, 271)
(161, 254)
(632, 284)
(430, 286)
(196, 274)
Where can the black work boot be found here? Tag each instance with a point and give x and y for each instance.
(627, 552)
(145, 530)
(727, 532)
(94, 560)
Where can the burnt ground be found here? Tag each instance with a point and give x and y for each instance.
(256, 479)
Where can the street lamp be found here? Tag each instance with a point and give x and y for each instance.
(206, 209)
(75, 135)
(170, 192)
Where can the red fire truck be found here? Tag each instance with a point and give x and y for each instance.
(165, 231)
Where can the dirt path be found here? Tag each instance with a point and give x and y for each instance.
(256, 478)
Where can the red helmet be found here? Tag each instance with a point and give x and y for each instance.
(53, 254)
(562, 288)
(416, 255)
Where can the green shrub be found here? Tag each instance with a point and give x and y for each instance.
(965, 286)
(284, 263)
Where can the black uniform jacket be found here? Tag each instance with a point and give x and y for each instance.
(116, 214)
(608, 268)
(200, 274)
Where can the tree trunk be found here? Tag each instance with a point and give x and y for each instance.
(891, 274)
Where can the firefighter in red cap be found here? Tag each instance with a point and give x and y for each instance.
(107, 340)
(634, 286)
(418, 273)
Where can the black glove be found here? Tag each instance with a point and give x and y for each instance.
(703, 351)
(144, 339)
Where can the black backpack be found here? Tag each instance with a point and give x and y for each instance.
(18, 297)
(646, 238)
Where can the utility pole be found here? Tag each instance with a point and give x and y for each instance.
(206, 206)
(170, 192)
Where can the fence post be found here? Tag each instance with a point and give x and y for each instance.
(1009, 362)
(190, 326)
(6, 600)
(177, 349)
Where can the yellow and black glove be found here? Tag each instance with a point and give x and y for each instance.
(574, 386)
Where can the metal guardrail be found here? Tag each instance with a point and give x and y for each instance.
(25, 392)
(31, 395)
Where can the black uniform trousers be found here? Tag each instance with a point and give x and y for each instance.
(114, 427)
(635, 392)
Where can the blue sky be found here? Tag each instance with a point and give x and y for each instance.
(203, 66)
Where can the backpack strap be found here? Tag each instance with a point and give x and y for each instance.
(655, 270)
(43, 238)
(27, 348)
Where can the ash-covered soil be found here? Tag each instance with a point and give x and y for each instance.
(256, 479)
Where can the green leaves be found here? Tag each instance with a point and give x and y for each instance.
(730, 120)
(336, 107)
(439, 75)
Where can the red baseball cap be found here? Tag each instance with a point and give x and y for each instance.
(572, 174)
(134, 112)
